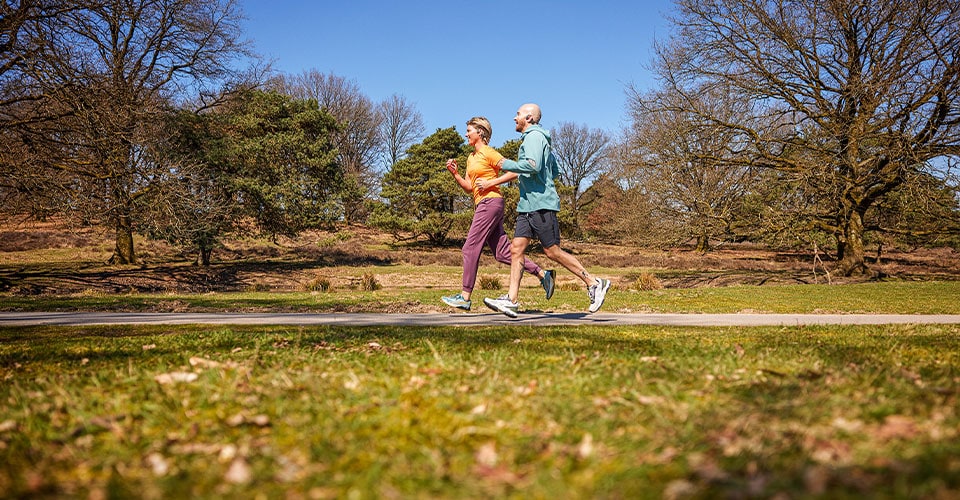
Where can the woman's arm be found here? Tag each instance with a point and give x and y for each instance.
(453, 169)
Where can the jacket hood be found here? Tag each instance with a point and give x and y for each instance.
(538, 128)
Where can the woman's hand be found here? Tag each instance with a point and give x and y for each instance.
(452, 166)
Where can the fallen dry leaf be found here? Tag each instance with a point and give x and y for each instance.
(195, 448)
(227, 453)
(241, 419)
(847, 425)
(204, 363)
(417, 382)
(679, 488)
(649, 400)
(174, 377)
(487, 454)
(239, 472)
(497, 474)
(585, 448)
(528, 389)
(897, 427)
(158, 464)
(825, 451)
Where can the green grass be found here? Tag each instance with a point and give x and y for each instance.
(902, 297)
(562, 412)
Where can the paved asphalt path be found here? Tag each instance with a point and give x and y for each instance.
(15, 319)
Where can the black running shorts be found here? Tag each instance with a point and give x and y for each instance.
(541, 224)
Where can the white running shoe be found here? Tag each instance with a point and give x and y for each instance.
(503, 305)
(598, 292)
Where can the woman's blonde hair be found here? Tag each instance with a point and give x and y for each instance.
(483, 126)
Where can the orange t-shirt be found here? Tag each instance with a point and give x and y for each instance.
(482, 164)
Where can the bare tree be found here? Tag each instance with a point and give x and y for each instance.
(18, 21)
(19, 102)
(849, 98)
(581, 155)
(401, 127)
(108, 71)
(689, 166)
(358, 140)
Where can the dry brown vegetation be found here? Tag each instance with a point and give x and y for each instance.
(48, 258)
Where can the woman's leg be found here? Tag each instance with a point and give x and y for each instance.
(484, 221)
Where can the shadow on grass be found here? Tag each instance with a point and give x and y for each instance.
(179, 277)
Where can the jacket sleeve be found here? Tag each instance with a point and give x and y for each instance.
(530, 157)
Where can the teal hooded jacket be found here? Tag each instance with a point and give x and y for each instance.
(537, 167)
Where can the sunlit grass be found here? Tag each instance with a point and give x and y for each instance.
(904, 297)
(627, 412)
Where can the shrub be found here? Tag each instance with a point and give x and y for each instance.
(490, 283)
(647, 281)
(369, 283)
(258, 287)
(318, 285)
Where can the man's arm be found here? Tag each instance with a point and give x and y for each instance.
(530, 158)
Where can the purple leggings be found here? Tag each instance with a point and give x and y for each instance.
(487, 228)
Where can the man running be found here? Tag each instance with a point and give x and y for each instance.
(537, 213)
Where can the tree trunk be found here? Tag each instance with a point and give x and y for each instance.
(205, 256)
(703, 243)
(850, 247)
(123, 253)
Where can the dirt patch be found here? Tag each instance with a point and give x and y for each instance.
(30, 264)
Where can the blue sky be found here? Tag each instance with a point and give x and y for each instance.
(455, 60)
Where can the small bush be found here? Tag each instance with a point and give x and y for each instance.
(258, 287)
(369, 283)
(647, 281)
(569, 286)
(490, 283)
(318, 285)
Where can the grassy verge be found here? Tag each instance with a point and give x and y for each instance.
(638, 412)
(902, 297)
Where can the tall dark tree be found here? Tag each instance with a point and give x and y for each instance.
(260, 157)
(280, 154)
(421, 198)
(357, 139)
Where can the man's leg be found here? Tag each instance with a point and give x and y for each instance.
(560, 256)
(501, 251)
(508, 304)
(596, 287)
(517, 248)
